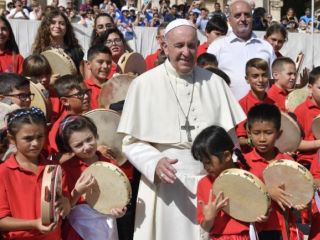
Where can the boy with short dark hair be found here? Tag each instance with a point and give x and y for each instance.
(74, 96)
(284, 73)
(99, 63)
(264, 123)
(257, 72)
(15, 89)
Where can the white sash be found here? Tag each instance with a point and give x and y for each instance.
(92, 225)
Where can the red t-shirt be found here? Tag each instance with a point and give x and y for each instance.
(305, 113)
(247, 102)
(257, 164)
(11, 63)
(223, 224)
(57, 107)
(71, 172)
(278, 96)
(20, 197)
(150, 59)
(202, 48)
(95, 92)
(114, 69)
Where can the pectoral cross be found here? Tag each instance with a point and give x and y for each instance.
(187, 127)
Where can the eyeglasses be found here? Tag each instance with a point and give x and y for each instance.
(116, 41)
(80, 94)
(22, 96)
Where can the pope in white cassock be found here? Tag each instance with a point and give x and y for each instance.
(164, 111)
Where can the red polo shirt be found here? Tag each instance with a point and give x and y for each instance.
(305, 113)
(202, 48)
(258, 164)
(53, 132)
(150, 59)
(95, 92)
(114, 69)
(11, 63)
(223, 224)
(20, 197)
(247, 102)
(278, 96)
(71, 172)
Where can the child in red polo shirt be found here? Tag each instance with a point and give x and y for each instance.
(284, 74)
(78, 135)
(99, 63)
(151, 59)
(264, 122)
(37, 68)
(305, 113)
(74, 98)
(214, 148)
(257, 72)
(21, 179)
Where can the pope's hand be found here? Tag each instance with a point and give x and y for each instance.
(165, 171)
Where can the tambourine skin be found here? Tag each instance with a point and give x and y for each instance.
(114, 90)
(40, 101)
(295, 98)
(50, 188)
(297, 180)
(132, 63)
(60, 62)
(248, 198)
(290, 137)
(107, 122)
(112, 189)
(316, 127)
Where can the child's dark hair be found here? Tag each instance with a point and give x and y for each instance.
(257, 63)
(314, 75)
(276, 28)
(264, 112)
(217, 23)
(19, 117)
(207, 59)
(36, 65)
(11, 81)
(213, 140)
(67, 83)
(96, 49)
(69, 125)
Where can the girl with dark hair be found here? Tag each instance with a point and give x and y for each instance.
(276, 35)
(56, 32)
(102, 23)
(10, 58)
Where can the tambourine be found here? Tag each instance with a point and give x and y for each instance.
(248, 198)
(295, 98)
(297, 180)
(51, 188)
(132, 63)
(60, 62)
(113, 189)
(115, 90)
(40, 100)
(4, 110)
(107, 122)
(290, 137)
(316, 127)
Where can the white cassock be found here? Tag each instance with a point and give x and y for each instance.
(152, 120)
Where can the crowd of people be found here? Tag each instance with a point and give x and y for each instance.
(196, 111)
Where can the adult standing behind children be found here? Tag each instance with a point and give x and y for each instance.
(240, 46)
(56, 32)
(165, 109)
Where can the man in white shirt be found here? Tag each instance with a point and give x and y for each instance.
(18, 12)
(240, 46)
(165, 109)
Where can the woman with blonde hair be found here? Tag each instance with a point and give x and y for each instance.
(56, 32)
